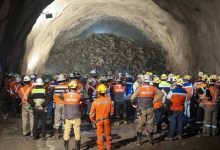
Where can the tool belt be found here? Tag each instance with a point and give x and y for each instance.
(101, 119)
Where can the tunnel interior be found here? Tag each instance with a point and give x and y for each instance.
(181, 35)
(107, 45)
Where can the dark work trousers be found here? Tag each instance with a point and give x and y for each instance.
(121, 107)
(176, 120)
(199, 118)
(16, 108)
(158, 115)
(39, 115)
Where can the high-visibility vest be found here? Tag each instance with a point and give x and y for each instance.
(24, 92)
(58, 90)
(119, 88)
(178, 99)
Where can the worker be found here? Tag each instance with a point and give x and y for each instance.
(188, 86)
(39, 102)
(158, 105)
(101, 112)
(72, 115)
(59, 107)
(120, 101)
(177, 96)
(143, 99)
(210, 106)
(138, 82)
(14, 88)
(27, 112)
(165, 86)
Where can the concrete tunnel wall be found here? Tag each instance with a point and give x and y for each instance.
(187, 30)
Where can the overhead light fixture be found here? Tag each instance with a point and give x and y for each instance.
(48, 15)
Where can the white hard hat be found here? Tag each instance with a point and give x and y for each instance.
(93, 71)
(179, 81)
(147, 78)
(27, 78)
(39, 81)
(61, 77)
(71, 75)
(18, 79)
(32, 76)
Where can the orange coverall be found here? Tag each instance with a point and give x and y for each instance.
(101, 111)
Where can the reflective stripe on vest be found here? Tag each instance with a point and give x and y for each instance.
(25, 94)
(118, 88)
(72, 98)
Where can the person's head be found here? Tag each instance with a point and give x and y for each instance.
(156, 81)
(140, 78)
(73, 85)
(26, 80)
(39, 82)
(93, 73)
(179, 82)
(147, 79)
(163, 77)
(18, 79)
(61, 78)
(102, 89)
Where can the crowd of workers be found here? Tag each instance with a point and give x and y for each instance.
(171, 100)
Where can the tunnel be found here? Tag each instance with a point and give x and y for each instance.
(115, 35)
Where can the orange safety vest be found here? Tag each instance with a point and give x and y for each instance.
(119, 88)
(102, 108)
(72, 98)
(178, 99)
(146, 91)
(214, 93)
(58, 90)
(24, 92)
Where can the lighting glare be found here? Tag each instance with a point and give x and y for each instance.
(32, 62)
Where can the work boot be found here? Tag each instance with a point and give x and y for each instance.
(150, 135)
(66, 145)
(139, 136)
(77, 145)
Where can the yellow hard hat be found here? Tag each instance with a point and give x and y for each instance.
(179, 81)
(72, 84)
(149, 73)
(163, 77)
(205, 77)
(187, 77)
(156, 80)
(177, 76)
(102, 88)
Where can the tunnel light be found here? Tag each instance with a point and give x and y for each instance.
(48, 15)
(32, 62)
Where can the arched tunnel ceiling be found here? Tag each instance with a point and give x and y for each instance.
(187, 30)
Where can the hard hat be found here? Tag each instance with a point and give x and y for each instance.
(72, 84)
(102, 78)
(102, 88)
(33, 76)
(147, 78)
(177, 76)
(18, 79)
(61, 77)
(213, 77)
(156, 80)
(118, 80)
(109, 77)
(93, 71)
(179, 81)
(171, 75)
(27, 78)
(200, 74)
(218, 78)
(205, 77)
(187, 77)
(39, 81)
(149, 73)
(163, 77)
(71, 75)
(140, 76)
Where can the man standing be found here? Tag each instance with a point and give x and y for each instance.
(101, 111)
(59, 106)
(177, 96)
(39, 101)
(145, 94)
(27, 112)
(120, 101)
(72, 114)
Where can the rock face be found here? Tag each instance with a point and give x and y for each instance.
(104, 52)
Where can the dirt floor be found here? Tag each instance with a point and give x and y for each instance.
(123, 138)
